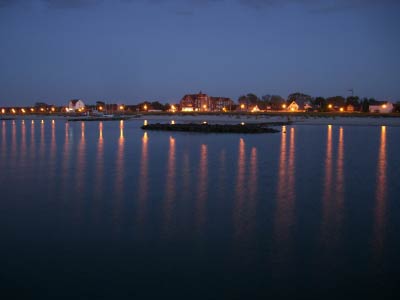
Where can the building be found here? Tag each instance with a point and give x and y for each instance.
(255, 109)
(299, 105)
(203, 103)
(76, 105)
(381, 107)
(350, 108)
(293, 106)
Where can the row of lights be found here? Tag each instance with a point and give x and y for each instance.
(24, 111)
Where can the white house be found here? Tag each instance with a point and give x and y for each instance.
(299, 106)
(293, 106)
(75, 105)
(384, 107)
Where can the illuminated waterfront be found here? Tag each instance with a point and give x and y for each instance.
(106, 209)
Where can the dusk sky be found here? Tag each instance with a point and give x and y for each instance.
(128, 51)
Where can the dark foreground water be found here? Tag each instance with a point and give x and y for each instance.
(105, 210)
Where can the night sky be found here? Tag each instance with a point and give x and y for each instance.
(128, 51)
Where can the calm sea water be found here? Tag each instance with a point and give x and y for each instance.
(106, 210)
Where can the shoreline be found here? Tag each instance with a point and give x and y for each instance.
(361, 120)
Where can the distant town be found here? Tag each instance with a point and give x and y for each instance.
(203, 103)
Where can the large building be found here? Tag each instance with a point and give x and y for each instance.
(381, 107)
(202, 102)
(76, 105)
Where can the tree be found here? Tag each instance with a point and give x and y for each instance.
(299, 97)
(252, 99)
(320, 102)
(396, 107)
(266, 99)
(277, 102)
(41, 105)
(336, 101)
(365, 105)
(157, 105)
(353, 100)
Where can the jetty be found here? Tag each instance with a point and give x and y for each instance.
(217, 128)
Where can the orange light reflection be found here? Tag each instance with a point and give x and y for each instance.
(381, 191)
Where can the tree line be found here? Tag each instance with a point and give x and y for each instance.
(275, 102)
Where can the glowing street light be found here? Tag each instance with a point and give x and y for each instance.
(23, 110)
(341, 109)
(32, 109)
(3, 111)
(53, 109)
(384, 106)
(242, 106)
(173, 108)
(145, 107)
(121, 107)
(13, 110)
(330, 106)
(283, 106)
(100, 107)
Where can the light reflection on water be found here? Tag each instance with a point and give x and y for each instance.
(99, 176)
(170, 188)
(285, 199)
(23, 151)
(119, 180)
(202, 188)
(100, 179)
(143, 190)
(241, 182)
(380, 206)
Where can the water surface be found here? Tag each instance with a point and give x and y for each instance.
(106, 210)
